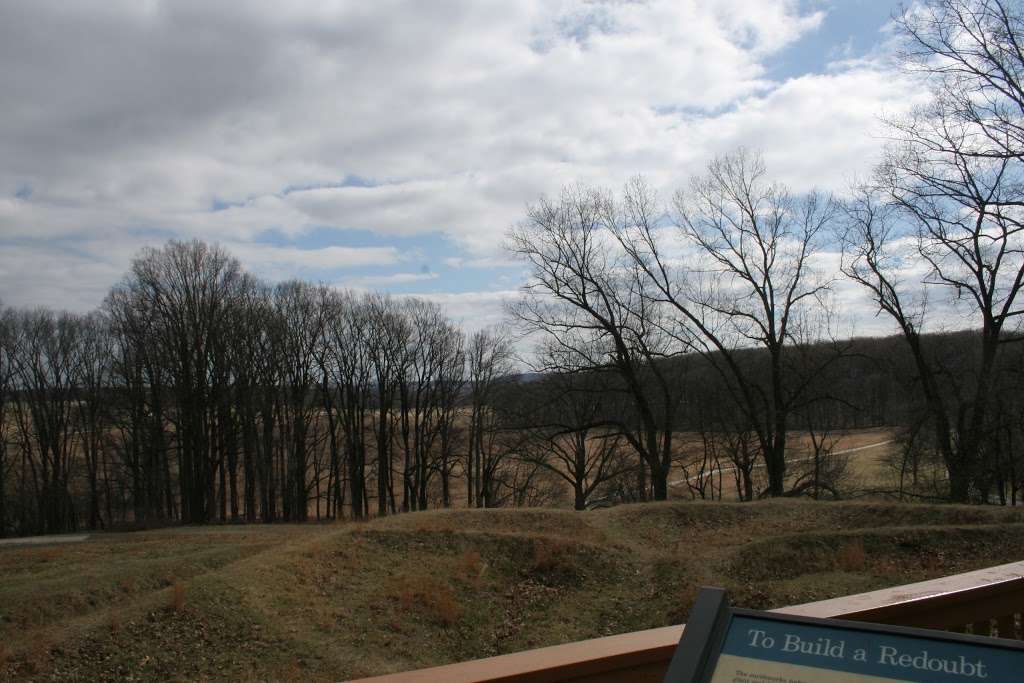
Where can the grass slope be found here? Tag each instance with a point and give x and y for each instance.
(349, 600)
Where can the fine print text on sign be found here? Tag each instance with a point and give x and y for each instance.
(724, 645)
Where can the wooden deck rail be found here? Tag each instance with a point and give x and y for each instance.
(986, 602)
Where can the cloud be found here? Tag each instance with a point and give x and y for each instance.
(486, 262)
(132, 121)
(475, 310)
(379, 281)
(817, 130)
(263, 258)
(43, 276)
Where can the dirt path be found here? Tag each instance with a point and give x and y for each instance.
(44, 540)
(845, 451)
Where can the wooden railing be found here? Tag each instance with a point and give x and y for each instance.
(985, 602)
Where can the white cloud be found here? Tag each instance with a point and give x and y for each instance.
(378, 281)
(475, 310)
(124, 119)
(44, 276)
(261, 256)
(485, 262)
(817, 130)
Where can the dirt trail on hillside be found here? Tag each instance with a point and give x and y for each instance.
(43, 540)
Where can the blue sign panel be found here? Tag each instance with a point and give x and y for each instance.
(721, 644)
(802, 651)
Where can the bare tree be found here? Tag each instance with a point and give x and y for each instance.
(744, 274)
(187, 288)
(387, 339)
(46, 371)
(425, 401)
(139, 436)
(728, 444)
(949, 192)
(489, 356)
(301, 311)
(563, 423)
(587, 301)
(969, 53)
(824, 471)
(1007, 452)
(91, 411)
(986, 277)
(450, 383)
(6, 387)
(350, 369)
(330, 395)
(241, 413)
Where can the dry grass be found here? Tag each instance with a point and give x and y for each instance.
(178, 597)
(471, 566)
(427, 597)
(344, 601)
(116, 622)
(37, 657)
(555, 561)
(852, 556)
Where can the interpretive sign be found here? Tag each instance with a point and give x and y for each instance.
(726, 645)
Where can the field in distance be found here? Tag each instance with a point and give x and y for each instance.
(345, 600)
(869, 457)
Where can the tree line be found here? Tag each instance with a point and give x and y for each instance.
(200, 393)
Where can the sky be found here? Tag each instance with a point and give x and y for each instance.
(391, 145)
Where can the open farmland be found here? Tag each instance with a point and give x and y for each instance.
(869, 458)
(330, 602)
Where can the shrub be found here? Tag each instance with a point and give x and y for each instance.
(178, 597)
(679, 608)
(852, 556)
(555, 562)
(38, 656)
(430, 598)
(471, 566)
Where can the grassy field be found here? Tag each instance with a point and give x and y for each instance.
(347, 600)
(866, 452)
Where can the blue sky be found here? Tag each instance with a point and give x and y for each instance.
(849, 29)
(391, 145)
